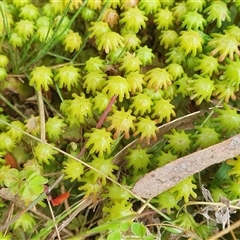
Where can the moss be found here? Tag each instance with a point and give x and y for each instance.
(106, 74)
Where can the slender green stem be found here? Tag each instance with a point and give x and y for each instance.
(119, 56)
(59, 56)
(25, 55)
(11, 106)
(52, 108)
(59, 93)
(87, 37)
(75, 208)
(71, 213)
(1, 42)
(37, 200)
(8, 32)
(46, 46)
(88, 166)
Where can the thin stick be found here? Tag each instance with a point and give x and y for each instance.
(86, 165)
(42, 115)
(166, 177)
(10, 213)
(54, 220)
(225, 231)
(107, 110)
(101, 120)
(38, 199)
(43, 216)
(7, 195)
(85, 203)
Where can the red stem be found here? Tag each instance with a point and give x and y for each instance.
(101, 120)
(107, 110)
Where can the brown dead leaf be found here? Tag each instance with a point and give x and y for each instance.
(166, 177)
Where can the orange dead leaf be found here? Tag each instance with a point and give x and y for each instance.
(10, 161)
(60, 199)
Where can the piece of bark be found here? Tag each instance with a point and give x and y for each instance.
(166, 177)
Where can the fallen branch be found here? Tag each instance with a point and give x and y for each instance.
(166, 177)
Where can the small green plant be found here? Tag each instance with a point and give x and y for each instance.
(85, 88)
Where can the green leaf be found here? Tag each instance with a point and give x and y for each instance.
(26, 222)
(116, 235)
(173, 230)
(44, 232)
(77, 222)
(138, 229)
(124, 226)
(221, 174)
(36, 182)
(33, 186)
(11, 177)
(12, 180)
(112, 225)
